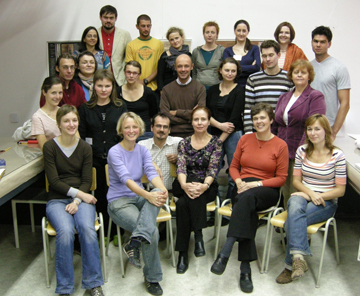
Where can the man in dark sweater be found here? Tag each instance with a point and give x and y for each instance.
(180, 97)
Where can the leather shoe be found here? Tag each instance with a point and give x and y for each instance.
(199, 249)
(219, 264)
(246, 284)
(182, 265)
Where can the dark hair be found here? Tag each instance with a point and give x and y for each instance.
(269, 44)
(83, 44)
(65, 109)
(301, 64)
(262, 107)
(100, 75)
(322, 30)
(160, 114)
(201, 108)
(66, 56)
(49, 82)
(229, 60)
(248, 44)
(108, 9)
(87, 53)
(134, 64)
(325, 124)
(278, 29)
(143, 17)
(211, 24)
(174, 30)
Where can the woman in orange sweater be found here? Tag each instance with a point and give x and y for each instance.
(259, 169)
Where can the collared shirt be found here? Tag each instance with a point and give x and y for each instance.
(186, 83)
(108, 40)
(158, 156)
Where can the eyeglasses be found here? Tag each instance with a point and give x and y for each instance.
(132, 73)
(159, 126)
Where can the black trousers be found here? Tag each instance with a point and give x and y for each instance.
(191, 213)
(244, 218)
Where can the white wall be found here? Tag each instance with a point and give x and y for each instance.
(26, 26)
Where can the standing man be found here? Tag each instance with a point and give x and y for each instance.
(181, 96)
(113, 40)
(331, 78)
(267, 85)
(146, 50)
(73, 93)
(162, 147)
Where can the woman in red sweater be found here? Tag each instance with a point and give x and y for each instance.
(259, 169)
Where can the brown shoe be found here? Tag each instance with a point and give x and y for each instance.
(299, 267)
(284, 277)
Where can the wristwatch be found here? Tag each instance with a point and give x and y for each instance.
(258, 184)
(146, 82)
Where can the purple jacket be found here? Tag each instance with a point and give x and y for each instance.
(310, 102)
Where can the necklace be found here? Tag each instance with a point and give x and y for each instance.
(260, 146)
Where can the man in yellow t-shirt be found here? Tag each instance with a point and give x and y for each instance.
(146, 50)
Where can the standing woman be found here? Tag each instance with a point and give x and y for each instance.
(226, 102)
(197, 165)
(139, 98)
(90, 42)
(292, 110)
(207, 58)
(68, 167)
(97, 127)
(130, 205)
(290, 52)
(43, 122)
(85, 75)
(244, 52)
(166, 65)
(259, 169)
(320, 179)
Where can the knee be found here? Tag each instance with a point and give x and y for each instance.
(88, 232)
(65, 234)
(296, 204)
(180, 203)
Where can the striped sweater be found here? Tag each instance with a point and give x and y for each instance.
(321, 177)
(263, 88)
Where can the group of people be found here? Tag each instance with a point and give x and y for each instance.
(208, 100)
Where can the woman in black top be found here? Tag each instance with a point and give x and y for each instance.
(226, 102)
(139, 98)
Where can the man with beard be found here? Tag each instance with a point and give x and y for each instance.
(113, 40)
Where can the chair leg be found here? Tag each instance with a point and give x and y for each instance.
(269, 248)
(102, 246)
(317, 285)
(32, 219)
(336, 242)
(46, 255)
(120, 251)
(169, 224)
(218, 236)
(15, 223)
(263, 261)
(108, 237)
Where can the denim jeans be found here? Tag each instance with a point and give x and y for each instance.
(137, 215)
(301, 214)
(229, 148)
(65, 225)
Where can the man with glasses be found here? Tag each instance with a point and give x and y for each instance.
(73, 94)
(162, 147)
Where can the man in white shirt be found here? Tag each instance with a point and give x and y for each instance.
(162, 147)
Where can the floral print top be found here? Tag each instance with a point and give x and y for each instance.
(199, 164)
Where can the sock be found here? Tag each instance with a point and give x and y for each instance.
(227, 248)
(296, 256)
(245, 267)
(198, 235)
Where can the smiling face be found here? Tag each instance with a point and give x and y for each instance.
(241, 32)
(91, 38)
(87, 65)
(183, 66)
(210, 34)
(144, 28)
(300, 77)
(108, 21)
(316, 133)
(54, 95)
(130, 130)
(228, 72)
(176, 41)
(69, 124)
(262, 122)
(284, 35)
(131, 74)
(200, 121)
(103, 89)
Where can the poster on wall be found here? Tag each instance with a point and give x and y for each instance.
(56, 48)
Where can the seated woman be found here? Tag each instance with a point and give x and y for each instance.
(85, 75)
(226, 102)
(68, 167)
(130, 206)
(166, 71)
(139, 98)
(43, 122)
(259, 169)
(197, 166)
(90, 42)
(320, 178)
